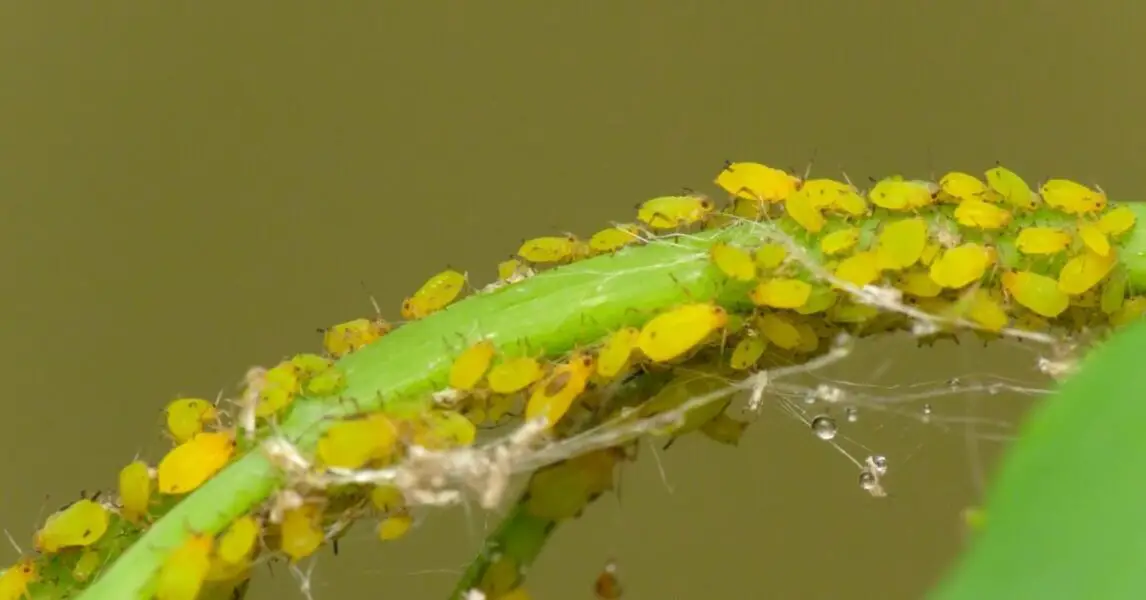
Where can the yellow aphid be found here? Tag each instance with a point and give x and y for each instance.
(561, 490)
(1117, 221)
(733, 261)
(669, 212)
(840, 241)
(1114, 292)
(828, 194)
(387, 498)
(1085, 271)
(514, 374)
(852, 204)
(859, 269)
(552, 396)
(754, 181)
(930, 252)
(1014, 191)
(1037, 292)
(900, 244)
(678, 330)
(182, 574)
(440, 429)
(327, 383)
(187, 416)
(821, 299)
(499, 406)
(549, 249)
(962, 186)
(80, 524)
(614, 238)
(747, 352)
(781, 293)
(193, 462)
(1132, 309)
(679, 390)
(394, 526)
(344, 338)
(470, 366)
(614, 355)
(135, 490)
(809, 338)
(1071, 197)
(919, 284)
(1042, 240)
(778, 330)
(86, 565)
(1093, 237)
(434, 295)
(982, 215)
(724, 429)
(746, 209)
(16, 578)
(511, 270)
(852, 312)
(799, 206)
(822, 193)
(308, 365)
(352, 443)
(961, 265)
(301, 531)
(893, 193)
(986, 311)
(280, 385)
(238, 541)
(500, 578)
(770, 255)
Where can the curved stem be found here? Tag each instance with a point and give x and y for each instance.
(549, 314)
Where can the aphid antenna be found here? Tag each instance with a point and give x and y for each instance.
(12, 540)
(373, 300)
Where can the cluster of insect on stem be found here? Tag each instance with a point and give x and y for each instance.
(805, 267)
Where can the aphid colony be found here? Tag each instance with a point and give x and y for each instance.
(992, 251)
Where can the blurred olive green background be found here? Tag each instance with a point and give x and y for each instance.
(188, 189)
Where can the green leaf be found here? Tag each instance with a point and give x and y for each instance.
(1067, 515)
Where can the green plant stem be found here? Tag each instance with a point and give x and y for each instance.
(549, 313)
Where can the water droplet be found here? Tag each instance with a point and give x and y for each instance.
(810, 398)
(926, 411)
(824, 427)
(878, 464)
(852, 413)
(868, 480)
